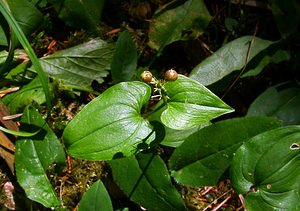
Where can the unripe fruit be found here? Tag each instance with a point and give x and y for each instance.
(146, 76)
(171, 75)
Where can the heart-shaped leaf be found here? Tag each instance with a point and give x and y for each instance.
(171, 24)
(205, 155)
(95, 198)
(190, 104)
(110, 124)
(268, 166)
(146, 181)
(229, 58)
(281, 101)
(81, 64)
(32, 158)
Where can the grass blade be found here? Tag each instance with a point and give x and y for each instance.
(4, 9)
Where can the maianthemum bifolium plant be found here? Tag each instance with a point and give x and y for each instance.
(259, 153)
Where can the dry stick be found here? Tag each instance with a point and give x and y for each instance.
(222, 203)
(245, 65)
(9, 90)
(242, 200)
(207, 190)
(214, 201)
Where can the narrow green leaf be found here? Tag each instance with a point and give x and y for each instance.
(81, 64)
(124, 62)
(146, 181)
(19, 133)
(79, 14)
(205, 155)
(26, 15)
(32, 92)
(171, 24)
(229, 58)
(32, 158)
(95, 198)
(4, 9)
(281, 101)
(190, 104)
(268, 166)
(111, 124)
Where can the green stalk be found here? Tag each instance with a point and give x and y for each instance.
(4, 9)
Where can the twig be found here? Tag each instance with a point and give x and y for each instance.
(222, 203)
(9, 90)
(245, 65)
(114, 31)
(208, 206)
(207, 190)
(10, 117)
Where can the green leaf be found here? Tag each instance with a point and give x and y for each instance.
(27, 16)
(79, 14)
(145, 180)
(5, 10)
(171, 24)
(171, 137)
(281, 101)
(111, 124)
(19, 133)
(228, 58)
(205, 155)
(81, 64)
(32, 92)
(174, 138)
(34, 155)
(18, 54)
(95, 198)
(124, 62)
(190, 104)
(277, 57)
(268, 166)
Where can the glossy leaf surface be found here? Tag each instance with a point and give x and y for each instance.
(81, 64)
(174, 138)
(146, 181)
(229, 58)
(95, 198)
(124, 62)
(171, 24)
(190, 104)
(77, 13)
(32, 158)
(281, 101)
(268, 166)
(205, 155)
(27, 16)
(110, 124)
